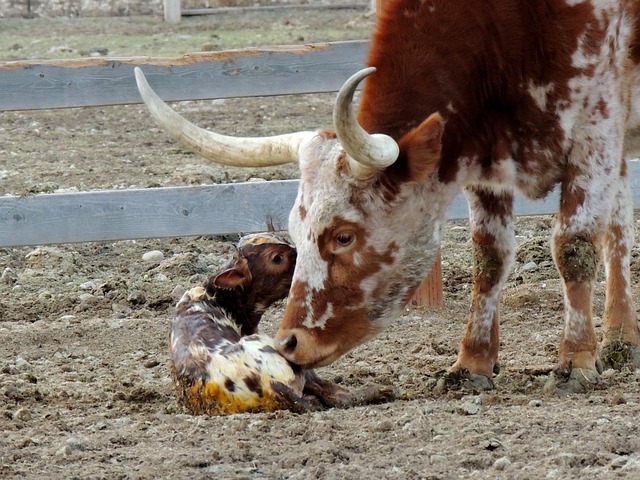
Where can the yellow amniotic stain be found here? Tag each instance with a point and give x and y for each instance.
(212, 399)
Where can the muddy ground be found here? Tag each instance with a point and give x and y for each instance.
(84, 380)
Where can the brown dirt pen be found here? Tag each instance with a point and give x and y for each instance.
(84, 382)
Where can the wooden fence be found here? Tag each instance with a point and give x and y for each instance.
(179, 211)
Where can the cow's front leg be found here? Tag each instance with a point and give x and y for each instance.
(621, 335)
(493, 255)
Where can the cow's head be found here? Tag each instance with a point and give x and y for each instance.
(366, 221)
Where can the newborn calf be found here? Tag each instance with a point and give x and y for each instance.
(220, 364)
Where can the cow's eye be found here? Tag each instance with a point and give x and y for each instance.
(277, 259)
(345, 239)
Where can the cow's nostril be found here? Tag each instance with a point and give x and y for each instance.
(289, 343)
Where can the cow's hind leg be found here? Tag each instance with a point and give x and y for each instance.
(587, 197)
(494, 253)
(621, 335)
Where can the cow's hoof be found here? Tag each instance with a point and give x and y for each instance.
(617, 354)
(572, 380)
(463, 380)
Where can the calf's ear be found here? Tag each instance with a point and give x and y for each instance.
(236, 276)
(421, 148)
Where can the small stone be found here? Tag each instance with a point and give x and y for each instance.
(136, 297)
(44, 295)
(120, 311)
(528, 266)
(535, 403)
(70, 445)
(153, 256)
(98, 426)
(501, 463)
(21, 363)
(64, 451)
(438, 458)
(178, 291)
(98, 51)
(618, 462)
(85, 296)
(160, 277)
(470, 406)
(151, 363)
(60, 49)
(617, 399)
(23, 414)
(8, 277)
(90, 285)
(566, 460)
(383, 426)
(75, 443)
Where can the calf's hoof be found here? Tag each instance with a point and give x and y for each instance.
(463, 379)
(618, 354)
(572, 380)
(370, 394)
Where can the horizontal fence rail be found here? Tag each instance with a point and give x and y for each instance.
(252, 72)
(173, 11)
(182, 211)
(146, 213)
(191, 12)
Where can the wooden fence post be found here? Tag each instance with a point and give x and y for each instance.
(172, 12)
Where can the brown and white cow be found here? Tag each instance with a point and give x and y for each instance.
(485, 96)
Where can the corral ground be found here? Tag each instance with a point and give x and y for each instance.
(84, 384)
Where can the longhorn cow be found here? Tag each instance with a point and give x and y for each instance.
(490, 97)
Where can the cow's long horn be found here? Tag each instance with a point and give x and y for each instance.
(223, 149)
(371, 152)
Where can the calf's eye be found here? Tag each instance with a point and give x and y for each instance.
(277, 259)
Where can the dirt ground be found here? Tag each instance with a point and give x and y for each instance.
(84, 379)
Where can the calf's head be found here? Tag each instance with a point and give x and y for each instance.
(258, 275)
(366, 221)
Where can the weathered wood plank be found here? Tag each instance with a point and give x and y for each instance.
(182, 211)
(219, 10)
(285, 70)
(145, 213)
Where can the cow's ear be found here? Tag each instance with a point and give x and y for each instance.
(421, 148)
